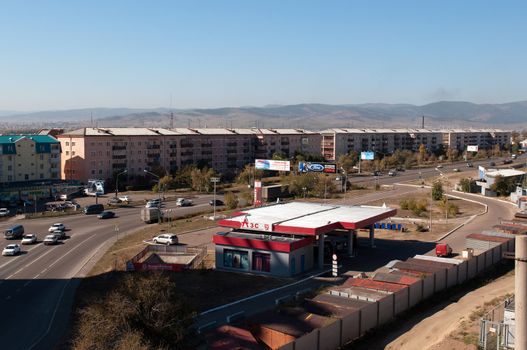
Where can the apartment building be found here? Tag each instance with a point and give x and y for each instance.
(101, 152)
(25, 158)
(336, 142)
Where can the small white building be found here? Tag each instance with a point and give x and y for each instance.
(488, 178)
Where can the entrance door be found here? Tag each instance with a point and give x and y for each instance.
(302, 262)
(293, 266)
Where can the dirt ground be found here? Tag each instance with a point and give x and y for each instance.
(456, 326)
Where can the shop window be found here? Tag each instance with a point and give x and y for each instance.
(237, 259)
(262, 262)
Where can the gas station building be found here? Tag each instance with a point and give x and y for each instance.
(280, 239)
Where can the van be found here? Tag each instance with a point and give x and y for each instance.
(94, 209)
(14, 232)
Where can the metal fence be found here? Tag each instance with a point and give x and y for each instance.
(494, 334)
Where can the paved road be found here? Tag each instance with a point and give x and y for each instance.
(37, 287)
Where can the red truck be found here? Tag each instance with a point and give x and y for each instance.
(443, 250)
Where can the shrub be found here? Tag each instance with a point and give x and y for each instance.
(437, 191)
(231, 200)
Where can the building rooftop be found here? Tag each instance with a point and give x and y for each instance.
(400, 130)
(307, 218)
(5, 139)
(505, 173)
(181, 131)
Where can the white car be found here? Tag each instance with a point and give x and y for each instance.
(125, 199)
(57, 227)
(29, 239)
(439, 166)
(153, 204)
(51, 239)
(166, 238)
(12, 249)
(4, 212)
(183, 202)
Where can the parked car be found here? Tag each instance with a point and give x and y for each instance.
(65, 197)
(183, 202)
(439, 166)
(377, 173)
(71, 204)
(514, 156)
(4, 212)
(216, 202)
(51, 239)
(443, 250)
(507, 161)
(29, 238)
(492, 164)
(57, 227)
(469, 165)
(11, 249)
(125, 199)
(166, 238)
(392, 173)
(106, 215)
(114, 201)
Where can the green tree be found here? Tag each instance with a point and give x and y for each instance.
(248, 174)
(324, 187)
(166, 183)
(437, 191)
(502, 186)
(231, 200)
(297, 184)
(465, 185)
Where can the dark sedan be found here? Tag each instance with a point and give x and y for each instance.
(106, 215)
(216, 202)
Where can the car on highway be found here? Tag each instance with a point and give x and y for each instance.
(50, 239)
(514, 156)
(166, 238)
(183, 202)
(59, 234)
(14, 232)
(507, 161)
(11, 249)
(492, 164)
(30, 238)
(216, 202)
(106, 215)
(469, 165)
(4, 212)
(456, 170)
(153, 203)
(392, 173)
(114, 201)
(93, 209)
(57, 227)
(125, 199)
(439, 166)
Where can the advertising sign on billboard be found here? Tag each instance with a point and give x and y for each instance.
(368, 155)
(307, 167)
(472, 148)
(269, 164)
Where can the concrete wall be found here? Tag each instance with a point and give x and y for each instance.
(481, 262)
(462, 272)
(400, 301)
(415, 293)
(428, 286)
(329, 336)
(351, 327)
(368, 317)
(386, 306)
(309, 341)
(440, 280)
(488, 258)
(451, 277)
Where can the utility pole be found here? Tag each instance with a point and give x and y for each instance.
(520, 293)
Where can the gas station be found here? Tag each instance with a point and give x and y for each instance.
(285, 239)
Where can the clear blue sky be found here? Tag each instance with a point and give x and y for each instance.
(75, 54)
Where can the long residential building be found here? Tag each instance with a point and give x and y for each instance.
(336, 142)
(26, 158)
(101, 152)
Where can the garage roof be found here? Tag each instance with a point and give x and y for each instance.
(307, 218)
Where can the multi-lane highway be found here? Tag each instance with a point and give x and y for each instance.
(37, 286)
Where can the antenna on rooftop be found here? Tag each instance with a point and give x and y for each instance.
(171, 120)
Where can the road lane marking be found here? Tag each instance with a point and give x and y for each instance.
(19, 256)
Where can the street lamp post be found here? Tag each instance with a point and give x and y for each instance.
(117, 182)
(214, 180)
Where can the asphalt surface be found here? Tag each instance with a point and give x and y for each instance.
(37, 287)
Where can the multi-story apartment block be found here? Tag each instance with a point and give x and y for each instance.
(336, 142)
(25, 158)
(101, 152)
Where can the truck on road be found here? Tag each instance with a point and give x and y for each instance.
(150, 215)
(443, 250)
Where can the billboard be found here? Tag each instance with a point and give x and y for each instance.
(306, 167)
(269, 164)
(472, 148)
(368, 155)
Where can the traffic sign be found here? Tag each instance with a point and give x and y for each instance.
(214, 179)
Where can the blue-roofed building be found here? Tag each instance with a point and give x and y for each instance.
(27, 158)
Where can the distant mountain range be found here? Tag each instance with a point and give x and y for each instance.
(309, 116)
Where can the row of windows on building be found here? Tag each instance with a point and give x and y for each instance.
(26, 176)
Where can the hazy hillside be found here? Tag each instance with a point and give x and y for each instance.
(309, 116)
